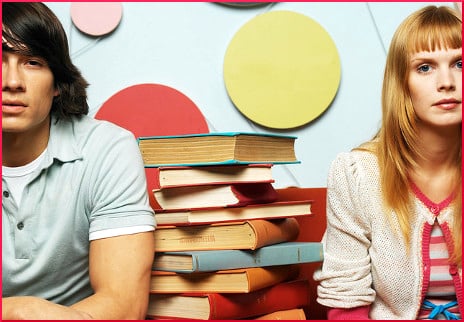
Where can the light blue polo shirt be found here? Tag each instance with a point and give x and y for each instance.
(91, 179)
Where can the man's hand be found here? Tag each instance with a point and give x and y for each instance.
(34, 308)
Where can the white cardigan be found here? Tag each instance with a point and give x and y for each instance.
(365, 260)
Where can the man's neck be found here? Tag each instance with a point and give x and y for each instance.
(19, 149)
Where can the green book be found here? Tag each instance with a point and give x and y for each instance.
(285, 253)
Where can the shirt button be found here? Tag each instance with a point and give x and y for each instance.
(20, 225)
(6, 194)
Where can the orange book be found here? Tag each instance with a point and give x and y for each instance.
(243, 280)
(252, 234)
(224, 195)
(216, 306)
(291, 314)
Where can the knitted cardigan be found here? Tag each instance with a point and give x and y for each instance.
(365, 260)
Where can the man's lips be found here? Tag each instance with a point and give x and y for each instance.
(13, 106)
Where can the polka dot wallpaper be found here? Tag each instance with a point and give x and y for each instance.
(309, 69)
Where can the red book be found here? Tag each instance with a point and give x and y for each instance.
(217, 306)
(176, 176)
(233, 195)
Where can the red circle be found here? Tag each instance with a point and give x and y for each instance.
(151, 110)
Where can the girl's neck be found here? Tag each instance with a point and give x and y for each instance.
(438, 166)
(438, 149)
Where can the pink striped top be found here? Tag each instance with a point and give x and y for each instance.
(440, 296)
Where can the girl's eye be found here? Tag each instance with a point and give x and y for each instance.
(459, 64)
(423, 68)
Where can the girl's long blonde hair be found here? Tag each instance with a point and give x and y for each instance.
(395, 145)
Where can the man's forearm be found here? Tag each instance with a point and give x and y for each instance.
(34, 308)
(106, 306)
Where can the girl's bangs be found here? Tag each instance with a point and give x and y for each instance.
(434, 36)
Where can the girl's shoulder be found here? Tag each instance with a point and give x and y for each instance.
(356, 158)
(356, 167)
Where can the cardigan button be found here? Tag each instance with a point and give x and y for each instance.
(6, 194)
(435, 210)
(453, 270)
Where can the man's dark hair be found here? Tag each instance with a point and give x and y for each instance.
(32, 29)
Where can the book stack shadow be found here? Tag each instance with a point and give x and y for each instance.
(225, 243)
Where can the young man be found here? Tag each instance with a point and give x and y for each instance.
(77, 237)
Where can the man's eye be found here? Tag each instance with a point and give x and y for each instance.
(34, 63)
(459, 64)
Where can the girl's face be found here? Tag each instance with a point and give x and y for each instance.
(435, 86)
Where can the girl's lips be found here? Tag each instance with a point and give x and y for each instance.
(447, 104)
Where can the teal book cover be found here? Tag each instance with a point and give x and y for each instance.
(212, 260)
(216, 134)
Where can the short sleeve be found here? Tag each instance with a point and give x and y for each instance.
(117, 184)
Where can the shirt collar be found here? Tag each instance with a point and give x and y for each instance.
(62, 144)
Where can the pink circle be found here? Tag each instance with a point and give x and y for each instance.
(153, 109)
(96, 18)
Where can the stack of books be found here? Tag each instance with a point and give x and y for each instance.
(225, 243)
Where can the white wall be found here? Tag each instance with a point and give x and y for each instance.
(182, 45)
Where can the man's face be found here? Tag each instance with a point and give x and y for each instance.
(27, 93)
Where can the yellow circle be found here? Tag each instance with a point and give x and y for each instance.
(282, 69)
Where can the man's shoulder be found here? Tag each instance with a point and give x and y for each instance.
(88, 131)
(91, 126)
(87, 134)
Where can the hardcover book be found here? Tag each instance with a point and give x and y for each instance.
(235, 195)
(242, 280)
(173, 176)
(250, 234)
(288, 315)
(213, 260)
(217, 148)
(216, 306)
(197, 216)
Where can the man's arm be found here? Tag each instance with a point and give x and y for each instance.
(120, 270)
(34, 308)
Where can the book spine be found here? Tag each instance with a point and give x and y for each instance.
(259, 279)
(269, 232)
